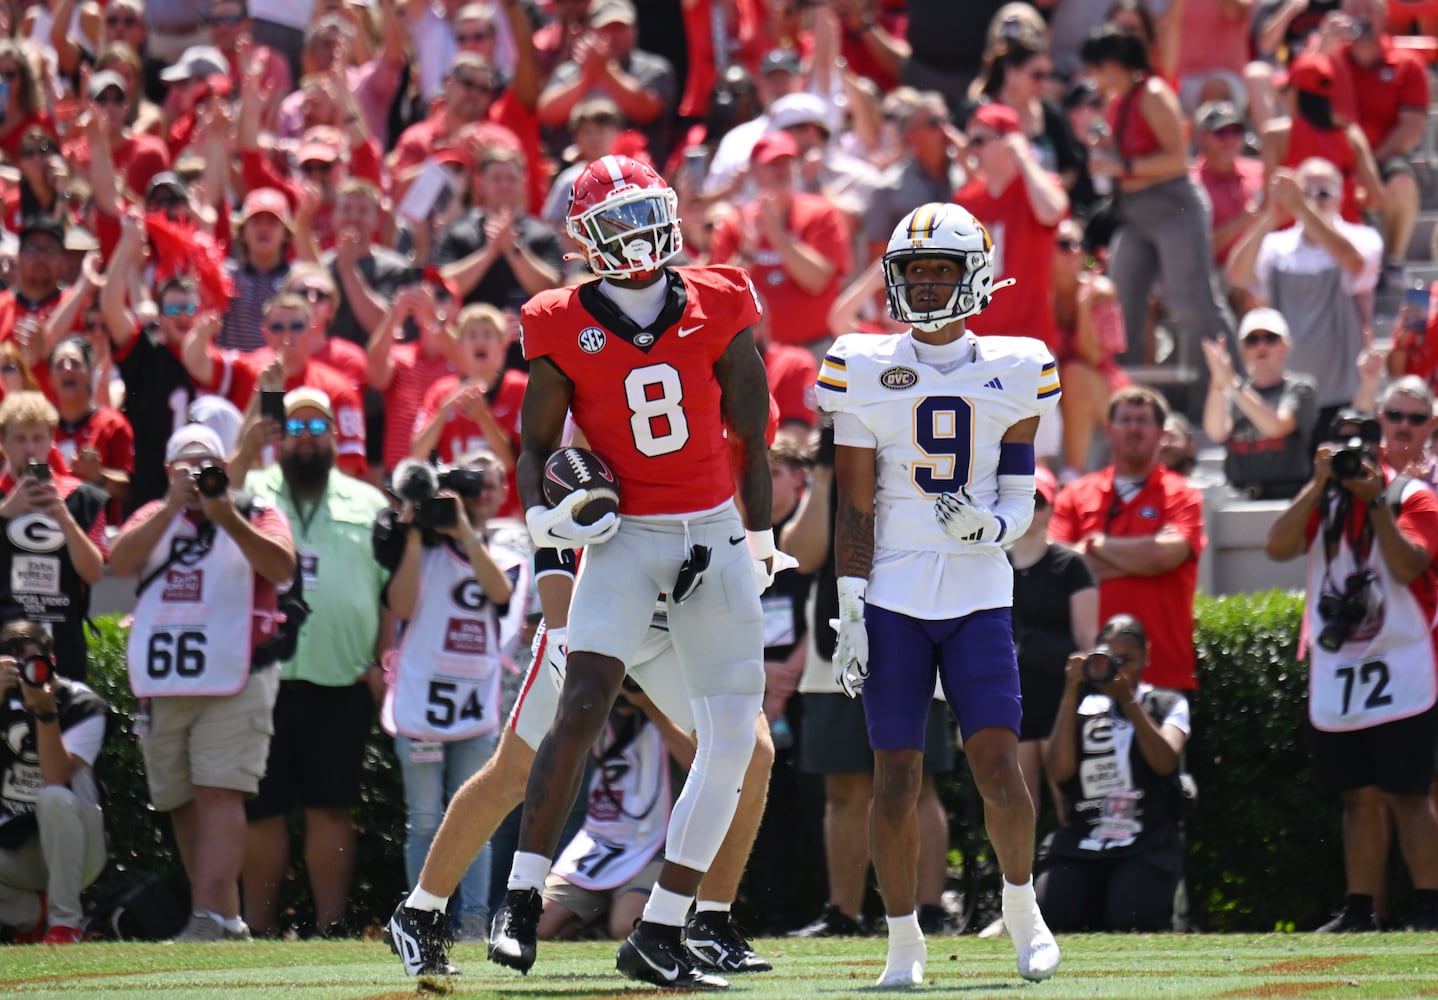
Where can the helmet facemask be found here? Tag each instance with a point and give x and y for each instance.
(630, 234)
(963, 300)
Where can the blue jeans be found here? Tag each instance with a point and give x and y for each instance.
(428, 787)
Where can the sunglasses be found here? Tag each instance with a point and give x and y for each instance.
(165, 201)
(1039, 74)
(225, 20)
(1069, 246)
(30, 152)
(314, 427)
(294, 326)
(111, 99)
(1229, 132)
(316, 167)
(175, 309)
(474, 36)
(33, 251)
(124, 21)
(1319, 193)
(9, 368)
(471, 84)
(1413, 419)
(979, 141)
(1261, 337)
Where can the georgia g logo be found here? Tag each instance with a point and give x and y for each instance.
(591, 340)
(35, 532)
(469, 595)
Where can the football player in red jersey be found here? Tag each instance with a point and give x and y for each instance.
(654, 362)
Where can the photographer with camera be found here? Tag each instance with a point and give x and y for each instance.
(331, 682)
(1372, 593)
(201, 656)
(462, 601)
(52, 832)
(1116, 753)
(52, 532)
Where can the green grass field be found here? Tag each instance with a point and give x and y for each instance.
(1102, 967)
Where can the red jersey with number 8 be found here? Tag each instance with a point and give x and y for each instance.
(647, 398)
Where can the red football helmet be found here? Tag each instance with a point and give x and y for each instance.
(625, 217)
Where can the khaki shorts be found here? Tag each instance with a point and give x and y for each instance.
(215, 742)
(590, 905)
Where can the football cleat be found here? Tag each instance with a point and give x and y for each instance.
(514, 935)
(654, 954)
(422, 940)
(716, 941)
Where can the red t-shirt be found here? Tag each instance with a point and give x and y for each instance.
(795, 316)
(1397, 82)
(137, 159)
(1163, 603)
(268, 520)
(1230, 194)
(107, 431)
(792, 373)
(461, 435)
(13, 309)
(237, 376)
(10, 141)
(648, 400)
(1023, 249)
(414, 377)
(1306, 140)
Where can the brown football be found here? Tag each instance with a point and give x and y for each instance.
(570, 469)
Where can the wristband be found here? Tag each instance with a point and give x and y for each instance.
(45, 716)
(761, 543)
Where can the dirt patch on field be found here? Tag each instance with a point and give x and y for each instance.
(1304, 966)
(1289, 989)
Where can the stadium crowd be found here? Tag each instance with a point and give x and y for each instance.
(291, 243)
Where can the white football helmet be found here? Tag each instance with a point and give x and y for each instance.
(940, 229)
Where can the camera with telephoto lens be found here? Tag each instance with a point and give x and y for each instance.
(1347, 462)
(1358, 444)
(419, 483)
(1100, 666)
(36, 670)
(1343, 611)
(211, 479)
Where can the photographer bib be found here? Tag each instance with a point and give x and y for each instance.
(193, 615)
(447, 686)
(1385, 670)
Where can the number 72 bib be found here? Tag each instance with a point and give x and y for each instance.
(1345, 695)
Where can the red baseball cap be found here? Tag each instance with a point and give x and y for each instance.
(265, 200)
(999, 117)
(1045, 485)
(773, 146)
(1311, 73)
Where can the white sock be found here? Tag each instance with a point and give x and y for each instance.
(211, 914)
(528, 871)
(1022, 895)
(709, 906)
(422, 900)
(904, 930)
(668, 908)
(233, 924)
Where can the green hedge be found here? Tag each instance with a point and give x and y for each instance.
(1264, 847)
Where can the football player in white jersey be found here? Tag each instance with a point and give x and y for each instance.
(935, 465)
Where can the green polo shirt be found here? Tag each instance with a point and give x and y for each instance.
(342, 579)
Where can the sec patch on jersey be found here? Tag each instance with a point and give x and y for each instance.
(570, 469)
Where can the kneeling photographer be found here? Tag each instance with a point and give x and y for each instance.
(462, 599)
(1372, 594)
(52, 833)
(1116, 753)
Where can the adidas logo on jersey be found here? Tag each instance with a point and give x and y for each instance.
(994, 383)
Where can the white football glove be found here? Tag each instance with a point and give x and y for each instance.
(555, 527)
(964, 519)
(761, 547)
(851, 653)
(556, 653)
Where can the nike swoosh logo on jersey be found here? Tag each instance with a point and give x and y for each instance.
(736, 541)
(685, 331)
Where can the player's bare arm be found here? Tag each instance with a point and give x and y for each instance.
(745, 402)
(854, 520)
(546, 402)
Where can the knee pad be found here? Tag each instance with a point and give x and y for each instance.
(724, 725)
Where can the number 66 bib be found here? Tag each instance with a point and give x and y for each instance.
(191, 629)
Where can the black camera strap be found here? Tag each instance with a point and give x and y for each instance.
(1336, 519)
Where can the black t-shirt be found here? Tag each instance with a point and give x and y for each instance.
(40, 581)
(385, 271)
(499, 286)
(20, 777)
(950, 34)
(1274, 468)
(158, 393)
(1043, 627)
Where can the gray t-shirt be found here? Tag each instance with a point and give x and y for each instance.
(1274, 468)
(655, 75)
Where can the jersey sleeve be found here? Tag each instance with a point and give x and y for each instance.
(536, 323)
(727, 294)
(832, 388)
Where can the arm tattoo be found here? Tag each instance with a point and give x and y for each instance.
(853, 540)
